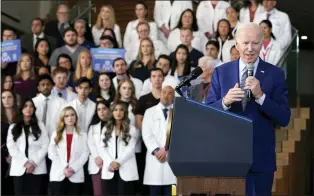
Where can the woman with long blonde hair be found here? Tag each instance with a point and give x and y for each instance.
(68, 152)
(145, 60)
(106, 19)
(83, 68)
(25, 78)
(119, 137)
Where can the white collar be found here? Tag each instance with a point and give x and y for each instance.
(242, 65)
(43, 97)
(41, 35)
(81, 104)
(163, 107)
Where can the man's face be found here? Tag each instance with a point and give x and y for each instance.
(8, 35)
(105, 43)
(167, 96)
(37, 27)
(269, 4)
(63, 14)
(45, 87)
(83, 90)
(156, 78)
(70, 38)
(164, 65)
(80, 28)
(186, 37)
(212, 51)
(143, 31)
(120, 67)
(249, 44)
(60, 80)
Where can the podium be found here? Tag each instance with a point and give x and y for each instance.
(210, 151)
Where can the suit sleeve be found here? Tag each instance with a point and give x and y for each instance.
(148, 137)
(277, 107)
(13, 149)
(214, 95)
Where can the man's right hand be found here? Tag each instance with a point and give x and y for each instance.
(234, 94)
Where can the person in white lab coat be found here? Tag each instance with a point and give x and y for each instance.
(187, 20)
(117, 150)
(141, 12)
(181, 65)
(143, 30)
(164, 64)
(280, 21)
(208, 14)
(83, 106)
(47, 105)
(68, 152)
(271, 51)
(233, 18)
(60, 78)
(27, 143)
(251, 10)
(158, 174)
(120, 68)
(212, 50)
(106, 19)
(167, 14)
(95, 162)
(225, 39)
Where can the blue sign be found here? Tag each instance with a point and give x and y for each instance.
(103, 57)
(10, 51)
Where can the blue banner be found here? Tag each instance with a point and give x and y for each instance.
(103, 57)
(10, 51)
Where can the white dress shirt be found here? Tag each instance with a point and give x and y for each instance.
(81, 110)
(242, 67)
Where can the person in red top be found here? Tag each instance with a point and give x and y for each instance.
(68, 152)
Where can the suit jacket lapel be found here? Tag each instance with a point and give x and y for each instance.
(261, 71)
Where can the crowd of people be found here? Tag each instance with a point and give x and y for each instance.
(67, 129)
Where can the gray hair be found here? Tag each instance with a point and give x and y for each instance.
(249, 25)
(207, 61)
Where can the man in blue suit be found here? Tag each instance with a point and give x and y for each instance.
(266, 106)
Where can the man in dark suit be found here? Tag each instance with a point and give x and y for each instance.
(56, 28)
(267, 104)
(28, 41)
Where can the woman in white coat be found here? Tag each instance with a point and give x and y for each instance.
(27, 143)
(119, 172)
(167, 14)
(106, 19)
(141, 12)
(271, 51)
(68, 152)
(251, 10)
(158, 174)
(233, 18)
(187, 20)
(225, 39)
(208, 14)
(95, 162)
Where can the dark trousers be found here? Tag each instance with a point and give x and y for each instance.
(259, 184)
(28, 184)
(45, 183)
(65, 187)
(117, 186)
(87, 188)
(141, 162)
(165, 190)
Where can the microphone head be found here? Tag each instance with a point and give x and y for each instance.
(250, 66)
(196, 72)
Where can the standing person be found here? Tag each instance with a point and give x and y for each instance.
(80, 27)
(104, 88)
(27, 143)
(8, 68)
(7, 84)
(267, 107)
(158, 174)
(95, 162)
(68, 152)
(250, 11)
(60, 78)
(119, 172)
(42, 52)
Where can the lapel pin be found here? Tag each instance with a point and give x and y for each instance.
(262, 71)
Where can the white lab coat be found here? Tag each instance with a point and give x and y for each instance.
(91, 107)
(225, 49)
(272, 52)
(235, 29)
(98, 32)
(131, 33)
(147, 86)
(165, 12)
(37, 151)
(245, 13)
(53, 110)
(198, 42)
(281, 26)
(138, 84)
(133, 50)
(154, 135)
(126, 156)
(93, 142)
(57, 153)
(70, 96)
(208, 17)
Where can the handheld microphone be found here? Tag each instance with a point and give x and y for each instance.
(194, 74)
(250, 72)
